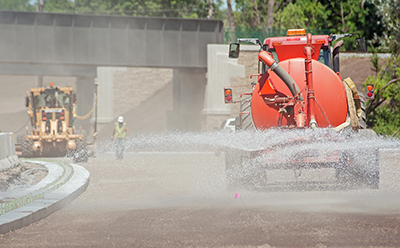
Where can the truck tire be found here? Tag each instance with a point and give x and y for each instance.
(362, 120)
(246, 119)
(27, 148)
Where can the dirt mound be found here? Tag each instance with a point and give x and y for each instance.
(358, 69)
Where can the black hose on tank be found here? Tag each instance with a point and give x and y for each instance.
(287, 79)
(280, 72)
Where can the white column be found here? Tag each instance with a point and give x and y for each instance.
(105, 93)
(220, 69)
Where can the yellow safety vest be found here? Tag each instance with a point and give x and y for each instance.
(120, 132)
(73, 111)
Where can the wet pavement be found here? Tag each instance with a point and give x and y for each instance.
(179, 199)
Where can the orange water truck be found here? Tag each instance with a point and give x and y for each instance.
(299, 87)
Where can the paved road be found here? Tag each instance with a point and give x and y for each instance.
(178, 199)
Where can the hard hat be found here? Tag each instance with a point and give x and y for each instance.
(120, 119)
(51, 84)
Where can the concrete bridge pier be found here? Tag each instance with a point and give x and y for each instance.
(188, 99)
(85, 88)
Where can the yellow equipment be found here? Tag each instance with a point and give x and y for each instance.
(51, 114)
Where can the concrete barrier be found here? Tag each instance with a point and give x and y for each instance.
(48, 202)
(8, 158)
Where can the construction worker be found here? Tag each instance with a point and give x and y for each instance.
(119, 134)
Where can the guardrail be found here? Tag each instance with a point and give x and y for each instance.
(8, 157)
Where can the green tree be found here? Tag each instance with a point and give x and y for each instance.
(256, 13)
(20, 5)
(390, 13)
(354, 16)
(162, 8)
(383, 112)
(344, 16)
(60, 6)
(307, 14)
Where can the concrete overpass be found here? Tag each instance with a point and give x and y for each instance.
(49, 44)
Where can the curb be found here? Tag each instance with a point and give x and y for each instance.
(50, 203)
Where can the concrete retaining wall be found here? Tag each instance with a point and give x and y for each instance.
(8, 158)
(220, 70)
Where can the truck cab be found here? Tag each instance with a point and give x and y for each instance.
(292, 46)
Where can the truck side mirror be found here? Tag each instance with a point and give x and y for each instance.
(361, 45)
(27, 102)
(234, 50)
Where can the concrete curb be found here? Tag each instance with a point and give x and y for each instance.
(8, 162)
(51, 202)
(8, 158)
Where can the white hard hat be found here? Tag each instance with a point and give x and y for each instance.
(120, 119)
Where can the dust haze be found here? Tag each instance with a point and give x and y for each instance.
(187, 169)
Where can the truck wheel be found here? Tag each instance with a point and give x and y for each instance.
(27, 148)
(363, 119)
(246, 119)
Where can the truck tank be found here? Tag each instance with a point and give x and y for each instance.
(270, 93)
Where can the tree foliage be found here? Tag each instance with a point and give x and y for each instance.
(160, 8)
(190, 9)
(59, 6)
(390, 17)
(19, 5)
(307, 14)
(354, 16)
(383, 112)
